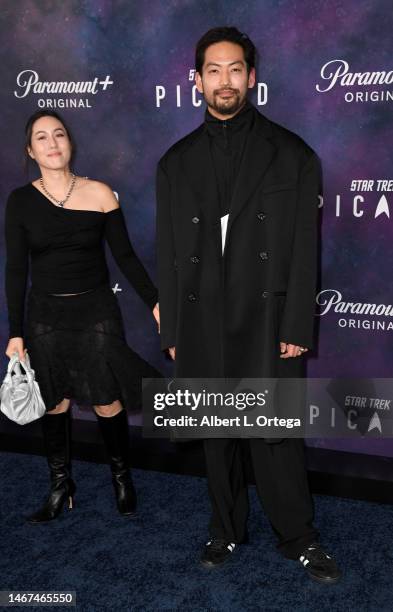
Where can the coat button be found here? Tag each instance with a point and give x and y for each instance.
(191, 297)
(261, 216)
(194, 259)
(263, 255)
(265, 294)
(195, 219)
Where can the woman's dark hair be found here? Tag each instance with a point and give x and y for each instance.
(29, 131)
(229, 34)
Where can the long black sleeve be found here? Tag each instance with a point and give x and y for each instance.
(117, 237)
(16, 269)
(166, 261)
(297, 324)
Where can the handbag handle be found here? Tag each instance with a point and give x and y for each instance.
(14, 361)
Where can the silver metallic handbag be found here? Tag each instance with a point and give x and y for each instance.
(20, 394)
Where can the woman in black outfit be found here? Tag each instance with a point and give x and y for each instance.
(74, 331)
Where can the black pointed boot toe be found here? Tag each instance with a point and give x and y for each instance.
(62, 488)
(125, 492)
(61, 493)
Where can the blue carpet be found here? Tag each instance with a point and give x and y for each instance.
(151, 563)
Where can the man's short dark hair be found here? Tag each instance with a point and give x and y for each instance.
(229, 34)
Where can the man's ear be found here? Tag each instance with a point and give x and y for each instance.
(251, 78)
(198, 82)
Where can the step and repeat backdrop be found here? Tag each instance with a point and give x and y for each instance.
(122, 74)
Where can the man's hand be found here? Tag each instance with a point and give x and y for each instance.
(291, 350)
(172, 352)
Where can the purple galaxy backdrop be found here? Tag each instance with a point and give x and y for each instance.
(147, 51)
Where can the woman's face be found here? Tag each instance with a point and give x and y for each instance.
(50, 146)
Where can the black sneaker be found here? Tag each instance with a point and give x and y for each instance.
(319, 565)
(216, 552)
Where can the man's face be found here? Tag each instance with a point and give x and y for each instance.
(224, 80)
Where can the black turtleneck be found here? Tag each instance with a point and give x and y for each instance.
(227, 141)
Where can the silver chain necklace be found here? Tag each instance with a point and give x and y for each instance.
(51, 197)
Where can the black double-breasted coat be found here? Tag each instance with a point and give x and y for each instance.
(226, 314)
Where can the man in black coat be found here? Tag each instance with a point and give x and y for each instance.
(237, 203)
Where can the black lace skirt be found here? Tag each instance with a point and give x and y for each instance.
(78, 350)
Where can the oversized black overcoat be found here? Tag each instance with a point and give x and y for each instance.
(226, 315)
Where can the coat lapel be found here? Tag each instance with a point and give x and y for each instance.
(198, 168)
(197, 164)
(258, 155)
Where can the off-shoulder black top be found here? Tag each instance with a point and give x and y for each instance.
(65, 247)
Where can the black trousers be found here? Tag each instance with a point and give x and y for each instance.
(282, 486)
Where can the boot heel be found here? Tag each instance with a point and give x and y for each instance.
(56, 430)
(71, 494)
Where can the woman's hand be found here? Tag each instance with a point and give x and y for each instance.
(15, 345)
(156, 315)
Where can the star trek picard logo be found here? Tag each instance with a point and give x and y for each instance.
(363, 200)
(180, 95)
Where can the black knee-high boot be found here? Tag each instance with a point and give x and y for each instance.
(56, 430)
(114, 431)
